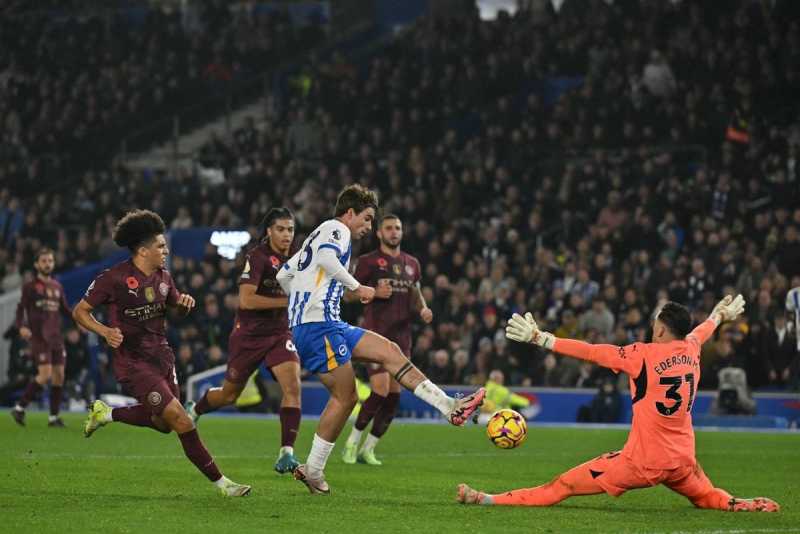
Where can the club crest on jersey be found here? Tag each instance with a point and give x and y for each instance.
(154, 398)
(396, 269)
(382, 263)
(342, 350)
(409, 270)
(163, 288)
(150, 294)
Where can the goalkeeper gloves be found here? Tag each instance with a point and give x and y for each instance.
(525, 330)
(728, 309)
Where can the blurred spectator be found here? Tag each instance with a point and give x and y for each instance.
(779, 349)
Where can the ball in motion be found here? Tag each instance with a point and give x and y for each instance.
(507, 429)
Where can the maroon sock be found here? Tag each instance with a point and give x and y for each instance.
(290, 424)
(385, 415)
(199, 456)
(368, 410)
(55, 399)
(203, 406)
(136, 415)
(31, 392)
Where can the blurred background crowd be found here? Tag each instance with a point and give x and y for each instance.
(583, 165)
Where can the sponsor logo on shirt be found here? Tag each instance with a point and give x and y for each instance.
(146, 312)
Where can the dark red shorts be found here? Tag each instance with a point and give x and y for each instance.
(376, 368)
(153, 384)
(46, 354)
(246, 353)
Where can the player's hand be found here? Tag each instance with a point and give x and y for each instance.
(384, 289)
(426, 314)
(728, 309)
(365, 294)
(25, 333)
(113, 337)
(185, 303)
(525, 330)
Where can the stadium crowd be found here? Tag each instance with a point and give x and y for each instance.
(666, 169)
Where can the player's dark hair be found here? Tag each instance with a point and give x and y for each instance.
(677, 318)
(137, 228)
(389, 217)
(273, 215)
(357, 197)
(44, 251)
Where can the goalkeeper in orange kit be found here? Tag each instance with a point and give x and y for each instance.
(664, 376)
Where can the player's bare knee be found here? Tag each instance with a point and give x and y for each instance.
(229, 397)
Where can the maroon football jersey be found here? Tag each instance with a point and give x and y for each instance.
(40, 310)
(137, 305)
(260, 270)
(389, 317)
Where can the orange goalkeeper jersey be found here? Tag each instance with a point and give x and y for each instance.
(663, 379)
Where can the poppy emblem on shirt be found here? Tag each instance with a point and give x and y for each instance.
(40, 288)
(382, 263)
(275, 261)
(409, 270)
(163, 288)
(132, 282)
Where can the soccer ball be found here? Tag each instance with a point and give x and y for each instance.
(507, 429)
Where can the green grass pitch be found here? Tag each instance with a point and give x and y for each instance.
(127, 479)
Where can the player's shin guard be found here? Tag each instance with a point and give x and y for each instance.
(290, 424)
(203, 406)
(385, 415)
(199, 455)
(55, 399)
(136, 415)
(368, 410)
(31, 392)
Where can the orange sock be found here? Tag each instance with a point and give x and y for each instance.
(716, 499)
(576, 481)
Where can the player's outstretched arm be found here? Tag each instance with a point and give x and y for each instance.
(82, 314)
(727, 309)
(525, 330)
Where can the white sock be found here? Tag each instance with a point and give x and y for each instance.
(433, 395)
(108, 417)
(370, 442)
(355, 436)
(221, 481)
(285, 450)
(52, 418)
(18, 408)
(318, 457)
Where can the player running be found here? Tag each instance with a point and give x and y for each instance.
(39, 323)
(660, 448)
(395, 276)
(137, 293)
(315, 279)
(261, 334)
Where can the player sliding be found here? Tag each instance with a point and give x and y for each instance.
(315, 279)
(398, 298)
(261, 333)
(660, 448)
(137, 293)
